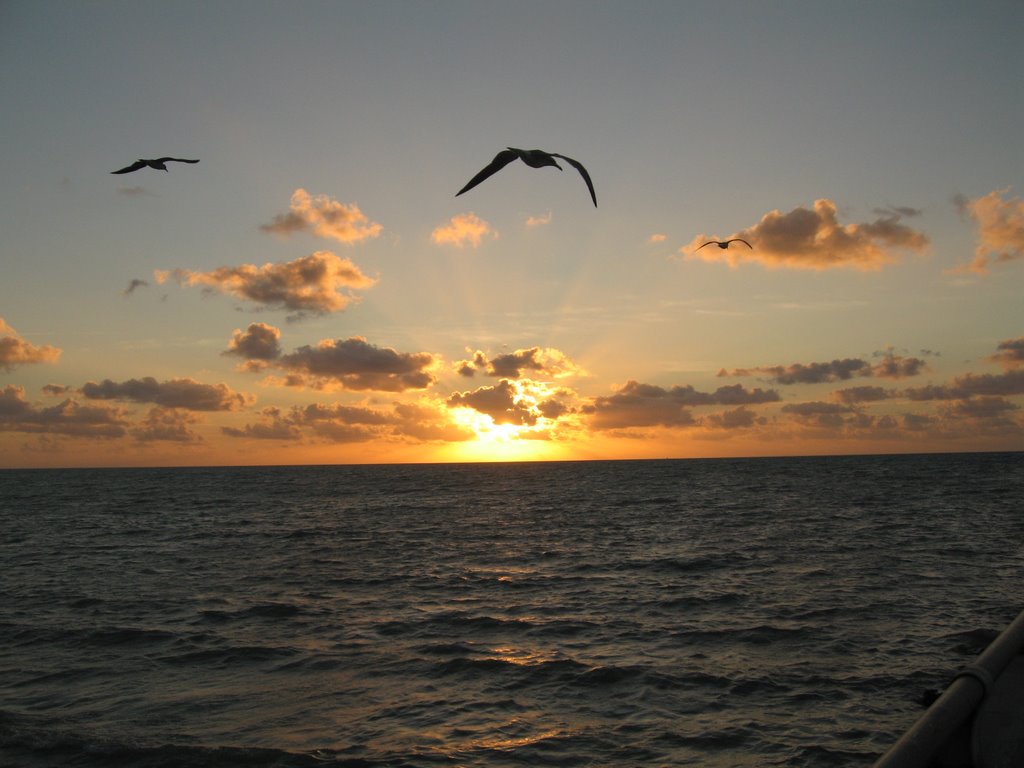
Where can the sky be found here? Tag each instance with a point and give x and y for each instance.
(313, 291)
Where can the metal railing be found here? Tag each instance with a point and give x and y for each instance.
(917, 747)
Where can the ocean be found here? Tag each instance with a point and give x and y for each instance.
(748, 612)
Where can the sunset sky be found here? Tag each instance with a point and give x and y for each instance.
(312, 291)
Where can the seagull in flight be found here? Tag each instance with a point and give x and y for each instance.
(535, 158)
(158, 164)
(723, 244)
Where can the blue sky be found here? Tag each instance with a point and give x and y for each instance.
(695, 120)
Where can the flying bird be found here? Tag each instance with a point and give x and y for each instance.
(158, 164)
(535, 158)
(723, 244)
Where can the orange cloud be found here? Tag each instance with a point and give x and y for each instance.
(69, 418)
(538, 221)
(892, 366)
(647, 405)
(814, 239)
(535, 361)
(187, 394)
(463, 229)
(314, 283)
(336, 423)
(522, 402)
(258, 344)
(657, 237)
(351, 363)
(14, 350)
(1010, 353)
(167, 425)
(1000, 223)
(324, 216)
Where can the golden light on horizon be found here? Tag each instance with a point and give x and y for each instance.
(502, 442)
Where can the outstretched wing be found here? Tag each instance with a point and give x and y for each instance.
(740, 240)
(709, 242)
(176, 159)
(500, 160)
(133, 167)
(583, 172)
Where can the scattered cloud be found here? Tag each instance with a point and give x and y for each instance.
(68, 418)
(657, 237)
(167, 425)
(463, 229)
(334, 423)
(177, 393)
(814, 239)
(323, 216)
(352, 363)
(648, 405)
(738, 418)
(513, 365)
(258, 344)
(319, 283)
(1010, 354)
(521, 402)
(135, 284)
(1000, 224)
(892, 366)
(14, 350)
(868, 394)
(537, 221)
(972, 384)
(500, 402)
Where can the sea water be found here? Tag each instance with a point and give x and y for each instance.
(753, 612)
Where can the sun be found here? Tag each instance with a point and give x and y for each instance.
(503, 442)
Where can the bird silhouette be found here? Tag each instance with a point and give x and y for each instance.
(535, 158)
(723, 244)
(158, 164)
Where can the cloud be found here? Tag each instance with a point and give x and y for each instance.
(67, 418)
(657, 237)
(738, 418)
(892, 366)
(500, 402)
(647, 405)
(533, 361)
(335, 423)
(134, 192)
(325, 217)
(258, 344)
(463, 229)
(352, 364)
(537, 221)
(972, 384)
(133, 285)
(814, 239)
(854, 395)
(311, 284)
(14, 350)
(56, 390)
(999, 220)
(984, 407)
(167, 425)
(898, 210)
(176, 393)
(273, 426)
(521, 402)
(1010, 354)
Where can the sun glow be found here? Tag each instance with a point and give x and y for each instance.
(503, 442)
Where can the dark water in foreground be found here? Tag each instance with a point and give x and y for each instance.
(716, 613)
